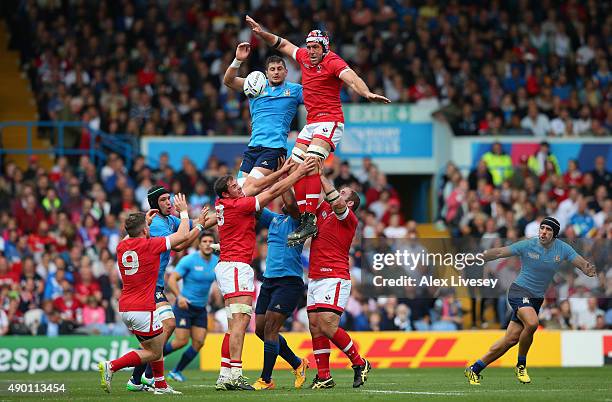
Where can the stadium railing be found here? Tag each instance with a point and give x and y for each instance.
(100, 142)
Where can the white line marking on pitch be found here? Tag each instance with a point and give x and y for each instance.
(416, 392)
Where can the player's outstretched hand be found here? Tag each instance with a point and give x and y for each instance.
(590, 269)
(309, 165)
(150, 215)
(253, 24)
(180, 203)
(372, 97)
(243, 50)
(203, 215)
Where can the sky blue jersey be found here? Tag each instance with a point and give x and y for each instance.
(272, 113)
(198, 275)
(282, 260)
(539, 264)
(163, 226)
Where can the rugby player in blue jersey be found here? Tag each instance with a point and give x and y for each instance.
(280, 292)
(271, 116)
(164, 224)
(541, 257)
(197, 270)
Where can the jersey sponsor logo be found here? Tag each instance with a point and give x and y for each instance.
(199, 268)
(557, 258)
(264, 163)
(324, 269)
(525, 300)
(535, 256)
(318, 68)
(278, 307)
(287, 92)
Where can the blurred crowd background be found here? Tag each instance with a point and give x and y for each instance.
(148, 68)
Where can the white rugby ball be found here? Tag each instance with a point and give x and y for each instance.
(254, 84)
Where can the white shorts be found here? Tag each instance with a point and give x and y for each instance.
(143, 323)
(235, 279)
(330, 132)
(328, 293)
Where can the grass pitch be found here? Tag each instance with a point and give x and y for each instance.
(430, 384)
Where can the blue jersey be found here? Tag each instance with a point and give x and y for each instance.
(272, 113)
(539, 264)
(163, 226)
(282, 260)
(198, 274)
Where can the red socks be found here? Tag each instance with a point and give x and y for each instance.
(225, 352)
(344, 342)
(313, 192)
(321, 348)
(300, 193)
(128, 360)
(158, 374)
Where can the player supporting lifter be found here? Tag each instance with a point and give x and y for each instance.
(329, 283)
(138, 260)
(271, 116)
(236, 222)
(541, 257)
(323, 73)
(197, 270)
(164, 224)
(280, 292)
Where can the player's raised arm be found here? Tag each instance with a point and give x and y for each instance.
(183, 230)
(495, 253)
(282, 45)
(584, 265)
(350, 78)
(333, 197)
(291, 204)
(256, 186)
(231, 79)
(199, 225)
(285, 184)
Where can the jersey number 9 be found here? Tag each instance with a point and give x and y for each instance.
(130, 260)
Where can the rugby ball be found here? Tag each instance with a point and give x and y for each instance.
(254, 84)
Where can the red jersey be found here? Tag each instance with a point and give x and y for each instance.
(236, 223)
(138, 261)
(329, 251)
(321, 86)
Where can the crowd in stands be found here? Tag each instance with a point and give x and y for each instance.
(155, 67)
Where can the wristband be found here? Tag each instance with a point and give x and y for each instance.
(184, 215)
(200, 227)
(278, 42)
(332, 196)
(236, 63)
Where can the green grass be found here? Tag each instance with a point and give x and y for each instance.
(432, 384)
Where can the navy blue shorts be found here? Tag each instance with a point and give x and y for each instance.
(280, 295)
(192, 316)
(160, 295)
(262, 157)
(520, 297)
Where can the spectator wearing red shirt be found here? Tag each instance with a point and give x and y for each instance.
(86, 284)
(68, 305)
(29, 215)
(573, 175)
(7, 276)
(37, 241)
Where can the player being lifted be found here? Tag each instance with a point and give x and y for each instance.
(197, 270)
(280, 292)
(271, 115)
(236, 223)
(329, 285)
(323, 73)
(138, 259)
(164, 224)
(541, 257)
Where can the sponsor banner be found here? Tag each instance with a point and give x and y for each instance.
(33, 354)
(398, 350)
(583, 348)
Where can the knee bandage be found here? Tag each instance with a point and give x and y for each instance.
(298, 155)
(318, 151)
(240, 308)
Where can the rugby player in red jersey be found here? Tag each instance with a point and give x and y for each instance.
(236, 224)
(138, 260)
(329, 284)
(323, 73)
